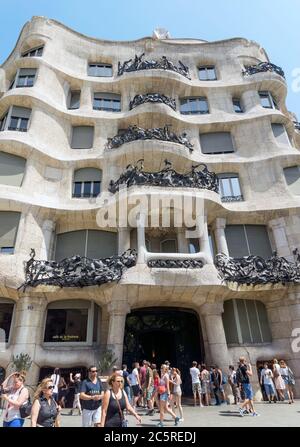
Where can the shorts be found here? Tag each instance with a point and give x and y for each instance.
(205, 387)
(248, 391)
(269, 389)
(196, 387)
(135, 390)
(150, 393)
(164, 397)
(14, 423)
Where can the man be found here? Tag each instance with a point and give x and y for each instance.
(217, 378)
(91, 395)
(55, 379)
(243, 374)
(233, 383)
(196, 386)
(266, 377)
(143, 372)
(77, 387)
(149, 390)
(135, 383)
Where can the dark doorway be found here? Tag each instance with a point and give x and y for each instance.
(159, 334)
(2, 374)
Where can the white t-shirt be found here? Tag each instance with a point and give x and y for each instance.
(55, 379)
(195, 374)
(284, 371)
(134, 376)
(266, 375)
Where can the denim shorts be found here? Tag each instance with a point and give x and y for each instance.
(248, 390)
(164, 397)
(269, 389)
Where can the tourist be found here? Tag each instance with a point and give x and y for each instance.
(217, 384)
(196, 386)
(289, 380)
(266, 380)
(234, 385)
(156, 380)
(77, 387)
(115, 401)
(62, 392)
(135, 383)
(142, 375)
(91, 394)
(45, 411)
(55, 379)
(175, 379)
(15, 395)
(149, 389)
(278, 380)
(243, 374)
(205, 384)
(164, 396)
(127, 384)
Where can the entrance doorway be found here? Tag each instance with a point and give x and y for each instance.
(160, 334)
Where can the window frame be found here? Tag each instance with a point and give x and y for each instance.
(36, 50)
(71, 92)
(92, 194)
(206, 69)
(100, 65)
(235, 197)
(267, 94)
(197, 99)
(13, 317)
(239, 102)
(109, 100)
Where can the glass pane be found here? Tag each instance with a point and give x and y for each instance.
(203, 74)
(237, 106)
(264, 322)
(194, 105)
(104, 71)
(96, 189)
(226, 190)
(97, 103)
(21, 81)
(23, 124)
(116, 105)
(13, 123)
(87, 189)
(235, 184)
(203, 107)
(252, 315)
(7, 250)
(243, 321)
(6, 312)
(229, 323)
(77, 189)
(30, 80)
(184, 108)
(211, 74)
(194, 245)
(40, 51)
(265, 101)
(66, 325)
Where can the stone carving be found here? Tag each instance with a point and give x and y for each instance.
(256, 270)
(263, 67)
(163, 63)
(297, 125)
(198, 177)
(76, 271)
(230, 199)
(176, 263)
(152, 97)
(134, 133)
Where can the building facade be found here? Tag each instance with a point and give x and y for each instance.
(209, 121)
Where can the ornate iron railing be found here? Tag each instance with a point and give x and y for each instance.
(297, 125)
(167, 177)
(263, 67)
(175, 263)
(156, 98)
(230, 199)
(256, 270)
(76, 271)
(133, 133)
(163, 63)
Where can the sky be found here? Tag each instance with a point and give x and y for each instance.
(273, 23)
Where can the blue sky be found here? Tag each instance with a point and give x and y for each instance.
(273, 23)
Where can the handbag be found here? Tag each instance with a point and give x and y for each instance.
(124, 422)
(25, 409)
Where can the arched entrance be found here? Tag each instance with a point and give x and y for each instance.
(157, 334)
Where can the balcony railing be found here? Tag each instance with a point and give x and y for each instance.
(263, 67)
(76, 271)
(230, 199)
(155, 98)
(253, 270)
(167, 177)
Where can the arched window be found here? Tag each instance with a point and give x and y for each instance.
(87, 182)
(246, 322)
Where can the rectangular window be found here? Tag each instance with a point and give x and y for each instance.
(74, 100)
(216, 143)
(193, 106)
(36, 52)
(3, 122)
(230, 187)
(66, 325)
(82, 137)
(26, 77)
(267, 101)
(237, 106)
(9, 223)
(100, 70)
(6, 313)
(245, 240)
(207, 73)
(280, 134)
(86, 189)
(109, 102)
(19, 119)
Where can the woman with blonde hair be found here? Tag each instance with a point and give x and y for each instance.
(114, 402)
(164, 396)
(278, 380)
(15, 395)
(288, 378)
(45, 411)
(175, 379)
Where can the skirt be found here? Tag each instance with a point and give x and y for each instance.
(279, 383)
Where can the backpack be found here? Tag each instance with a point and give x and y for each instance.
(240, 377)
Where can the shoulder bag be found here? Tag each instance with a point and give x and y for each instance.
(124, 422)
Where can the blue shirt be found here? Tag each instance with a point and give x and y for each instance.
(91, 389)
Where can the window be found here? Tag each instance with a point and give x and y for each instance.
(6, 314)
(9, 222)
(193, 106)
(207, 73)
(100, 70)
(19, 119)
(74, 99)
(237, 105)
(26, 77)
(194, 245)
(245, 240)
(93, 244)
(292, 177)
(216, 143)
(267, 101)
(71, 322)
(246, 322)
(82, 137)
(168, 246)
(280, 134)
(230, 188)
(108, 102)
(11, 169)
(36, 52)
(87, 182)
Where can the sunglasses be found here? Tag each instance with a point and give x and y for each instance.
(50, 387)
(94, 370)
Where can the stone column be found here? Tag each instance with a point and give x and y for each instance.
(204, 240)
(220, 238)
(141, 238)
(48, 229)
(117, 317)
(282, 246)
(123, 239)
(182, 241)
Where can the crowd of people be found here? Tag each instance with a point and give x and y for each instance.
(147, 387)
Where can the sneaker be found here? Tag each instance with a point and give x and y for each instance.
(160, 424)
(242, 412)
(181, 420)
(255, 414)
(176, 420)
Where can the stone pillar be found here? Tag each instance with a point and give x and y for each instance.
(182, 241)
(141, 238)
(220, 238)
(48, 229)
(123, 239)
(282, 246)
(204, 240)
(117, 317)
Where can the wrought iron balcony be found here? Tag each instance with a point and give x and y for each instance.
(167, 177)
(297, 125)
(155, 98)
(253, 270)
(175, 263)
(76, 271)
(230, 199)
(263, 67)
(163, 63)
(134, 133)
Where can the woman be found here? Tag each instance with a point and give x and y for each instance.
(164, 396)
(156, 380)
(45, 410)
(288, 378)
(15, 396)
(62, 392)
(115, 401)
(278, 380)
(175, 379)
(205, 384)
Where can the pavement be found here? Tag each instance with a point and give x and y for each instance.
(280, 414)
